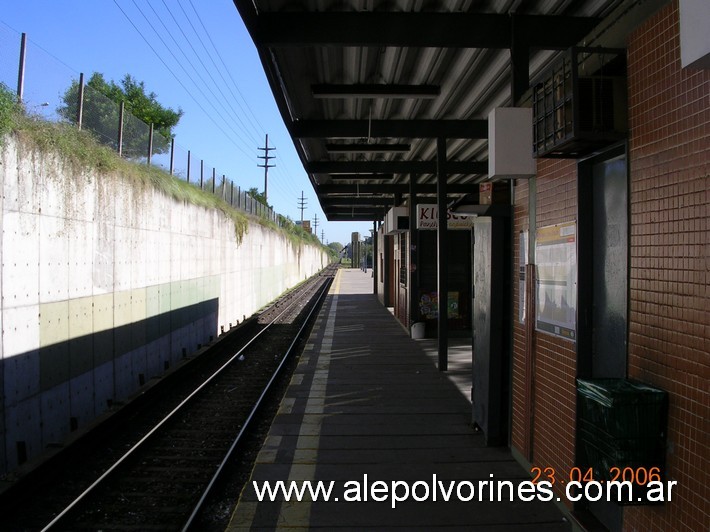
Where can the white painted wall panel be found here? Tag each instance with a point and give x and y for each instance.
(104, 280)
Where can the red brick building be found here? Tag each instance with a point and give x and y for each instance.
(668, 159)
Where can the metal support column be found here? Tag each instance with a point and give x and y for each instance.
(374, 257)
(413, 252)
(442, 251)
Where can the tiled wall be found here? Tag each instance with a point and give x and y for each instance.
(669, 110)
(520, 412)
(669, 340)
(554, 369)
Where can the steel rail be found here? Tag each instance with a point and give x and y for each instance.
(254, 410)
(155, 429)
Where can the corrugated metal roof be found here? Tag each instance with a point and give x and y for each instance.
(460, 48)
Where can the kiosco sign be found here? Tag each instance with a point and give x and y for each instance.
(427, 218)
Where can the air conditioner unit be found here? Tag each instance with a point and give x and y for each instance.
(579, 103)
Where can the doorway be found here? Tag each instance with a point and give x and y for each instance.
(603, 289)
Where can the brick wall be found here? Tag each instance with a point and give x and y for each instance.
(669, 322)
(521, 418)
(669, 112)
(555, 358)
(554, 367)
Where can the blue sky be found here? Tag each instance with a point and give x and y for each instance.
(227, 103)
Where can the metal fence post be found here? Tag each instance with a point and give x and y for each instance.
(120, 128)
(188, 166)
(80, 102)
(150, 143)
(21, 70)
(172, 155)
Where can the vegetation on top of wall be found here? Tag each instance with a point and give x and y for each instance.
(80, 149)
(9, 110)
(296, 234)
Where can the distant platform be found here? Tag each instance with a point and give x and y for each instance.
(367, 404)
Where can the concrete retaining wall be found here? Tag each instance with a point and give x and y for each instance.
(105, 283)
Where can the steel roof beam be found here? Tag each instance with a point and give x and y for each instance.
(375, 90)
(358, 177)
(452, 129)
(394, 167)
(344, 217)
(345, 201)
(423, 29)
(392, 189)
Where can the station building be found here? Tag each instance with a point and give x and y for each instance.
(566, 148)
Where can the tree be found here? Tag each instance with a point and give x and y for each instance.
(258, 196)
(101, 112)
(337, 247)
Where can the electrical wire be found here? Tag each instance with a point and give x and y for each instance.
(177, 78)
(183, 69)
(283, 184)
(235, 115)
(216, 50)
(247, 111)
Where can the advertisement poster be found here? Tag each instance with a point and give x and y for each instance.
(429, 305)
(556, 259)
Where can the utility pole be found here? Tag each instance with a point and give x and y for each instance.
(266, 166)
(322, 236)
(315, 225)
(302, 206)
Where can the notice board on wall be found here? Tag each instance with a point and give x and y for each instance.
(556, 260)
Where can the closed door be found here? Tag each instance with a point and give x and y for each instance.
(609, 268)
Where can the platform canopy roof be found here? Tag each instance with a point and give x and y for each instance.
(366, 87)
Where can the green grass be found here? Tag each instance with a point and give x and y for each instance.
(9, 111)
(82, 152)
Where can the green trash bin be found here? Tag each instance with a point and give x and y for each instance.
(623, 408)
(621, 424)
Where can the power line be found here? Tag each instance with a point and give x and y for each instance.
(170, 70)
(224, 65)
(207, 70)
(243, 136)
(221, 114)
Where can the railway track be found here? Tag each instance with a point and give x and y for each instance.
(157, 468)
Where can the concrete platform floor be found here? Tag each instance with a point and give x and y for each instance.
(368, 404)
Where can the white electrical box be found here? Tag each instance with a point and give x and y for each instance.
(510, 143)
(694, 42)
